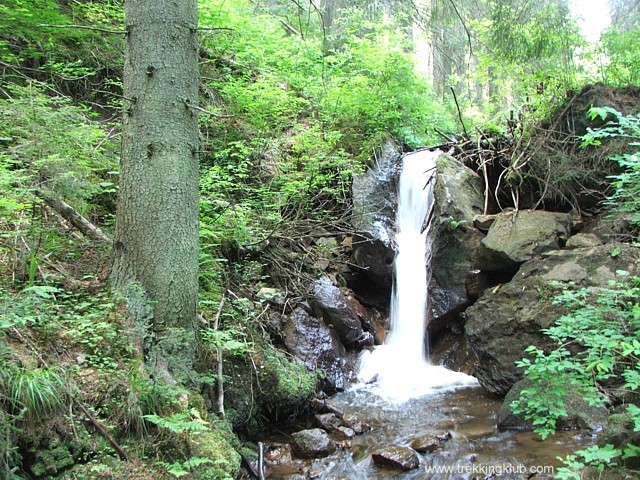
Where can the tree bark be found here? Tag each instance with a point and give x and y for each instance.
(155, 264)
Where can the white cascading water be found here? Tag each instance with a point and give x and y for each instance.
(399, 370)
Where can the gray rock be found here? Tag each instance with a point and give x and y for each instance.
(345, 433)
(516, 237)
(316, 346)
(357, 425)
(312, 443)
(484, 222)
(507, 319)
(339, 309)
(459, 198)
(374, 201)
(397, 458)
(580, 240)
(327, 421)
(580, 415)
(426, 444)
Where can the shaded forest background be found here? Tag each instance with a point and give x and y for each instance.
(296, 97)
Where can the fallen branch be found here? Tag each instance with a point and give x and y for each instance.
(72, 216)
(84, 27)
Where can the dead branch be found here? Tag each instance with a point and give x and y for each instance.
(71, 215)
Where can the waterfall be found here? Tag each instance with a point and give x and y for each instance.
(399, 369)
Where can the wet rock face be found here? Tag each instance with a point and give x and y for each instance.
(312, 443)
(507, 319)
(373, 219)
(397, 458)
(459, 198)
(515, 237)
(317, 346)
(338, 308)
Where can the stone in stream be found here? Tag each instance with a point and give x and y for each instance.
(278, 454)
(345, 433)
(358, 426)
(397, 458)
(426, 444)
(327, 421)
(312, 443)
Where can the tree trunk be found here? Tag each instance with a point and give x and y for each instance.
(155, 264)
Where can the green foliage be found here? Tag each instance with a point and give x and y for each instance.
(38, 391)
(205, 450)
(597, 344)
(622, 49)
(594, 456)
(626, 197)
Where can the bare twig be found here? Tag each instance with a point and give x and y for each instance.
(84, 27)
(219, 372)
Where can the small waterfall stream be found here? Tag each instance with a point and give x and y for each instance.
(400, 368)
(403, 397)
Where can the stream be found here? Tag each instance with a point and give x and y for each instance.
(476, 449)
(403, 398)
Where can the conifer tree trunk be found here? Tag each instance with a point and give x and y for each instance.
(155, 264)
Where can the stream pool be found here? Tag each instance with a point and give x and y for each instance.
(476, 449)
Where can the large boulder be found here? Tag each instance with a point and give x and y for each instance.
(507, 319)
(458, 199)
(317, 347)
(373, 219)
(518, 236)
(338, 309)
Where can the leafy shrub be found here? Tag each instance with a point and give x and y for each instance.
(598, 342)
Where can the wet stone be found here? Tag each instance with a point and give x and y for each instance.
(443, 436)
(397, 458)
(328, 421)
(358, 426)
(278, 454)
(426, 444)
(345, 433)
(312, 443)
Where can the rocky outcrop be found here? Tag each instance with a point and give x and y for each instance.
(317, 347)
(508, 318)
(374, 202)
(340, 310)
(458, 199)
(518, 236)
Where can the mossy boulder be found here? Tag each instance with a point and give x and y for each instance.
(580, 415)
(219, 445)
(267, 383)
(619, 432)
